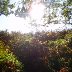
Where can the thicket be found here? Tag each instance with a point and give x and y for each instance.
(8, 61)
(39, 52)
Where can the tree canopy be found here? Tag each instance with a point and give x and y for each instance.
(5, 7)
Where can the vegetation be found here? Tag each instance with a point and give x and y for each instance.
(8, 61)
(5, 7)
(39, 52)
(66, 9)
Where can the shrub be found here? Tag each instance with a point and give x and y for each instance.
(8, 62)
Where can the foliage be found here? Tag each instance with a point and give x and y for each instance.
(66, 9)
(8, 61)
(45, 52)
(5, 7)
(66, 12)
(39, 52)
(69, 2)
(23, 11)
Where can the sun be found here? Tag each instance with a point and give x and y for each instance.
(37, 11)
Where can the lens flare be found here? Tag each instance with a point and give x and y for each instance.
(37, 11)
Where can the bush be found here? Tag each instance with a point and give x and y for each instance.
(8, 62)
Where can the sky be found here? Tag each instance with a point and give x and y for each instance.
(12, 23)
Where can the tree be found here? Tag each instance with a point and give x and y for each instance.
(69, 2)
(67, 10)
(23, 11)
(5, 7)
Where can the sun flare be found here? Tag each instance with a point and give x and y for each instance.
(37, 11)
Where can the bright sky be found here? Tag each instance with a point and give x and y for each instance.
(12, 23)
